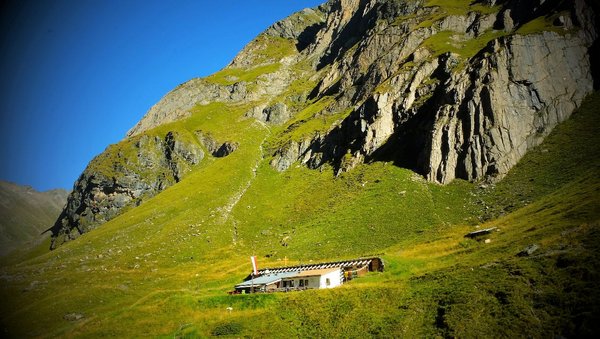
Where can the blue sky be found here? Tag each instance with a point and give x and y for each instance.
(75, 75)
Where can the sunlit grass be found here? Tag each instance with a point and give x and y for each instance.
(230, 76)
(164, 268)
(146, 271)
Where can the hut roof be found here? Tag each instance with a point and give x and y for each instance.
(266, 279)
(318, 266)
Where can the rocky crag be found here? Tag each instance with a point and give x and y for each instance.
(451, 90)
(463, 96)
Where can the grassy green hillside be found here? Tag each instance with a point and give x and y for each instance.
(163, 268)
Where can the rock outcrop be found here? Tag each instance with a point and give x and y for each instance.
(122, 177)
(216, 148)
(504, 103)
(462, 97)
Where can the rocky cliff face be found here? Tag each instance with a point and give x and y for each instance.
(452, 90)
(464, 96)
(122, 177)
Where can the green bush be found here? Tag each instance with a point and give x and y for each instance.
(229, 328)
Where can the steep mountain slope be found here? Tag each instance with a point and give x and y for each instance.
(163, 268)
(25, 214)
(459, 90)
(304, 147)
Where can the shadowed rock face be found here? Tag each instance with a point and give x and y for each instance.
(450, 93)
(449, 115)
(100, 194)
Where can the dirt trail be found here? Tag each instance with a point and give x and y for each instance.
(235, 199)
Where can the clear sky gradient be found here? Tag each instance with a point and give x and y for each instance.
(76, 75)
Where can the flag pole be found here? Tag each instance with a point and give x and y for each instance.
(254, 272)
